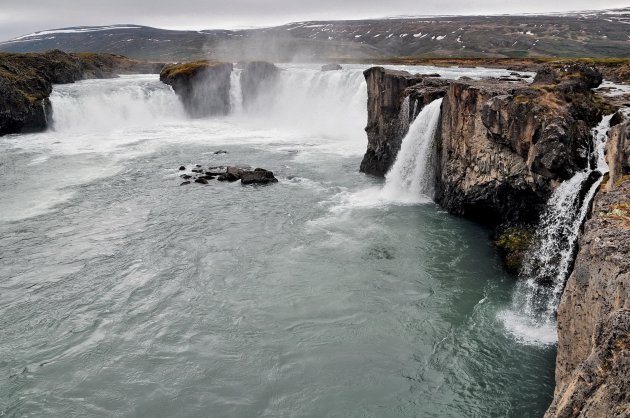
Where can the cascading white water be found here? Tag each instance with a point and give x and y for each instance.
(546, 266)
(236, 93)
(412, 175)
(327, 103)
(125, 102)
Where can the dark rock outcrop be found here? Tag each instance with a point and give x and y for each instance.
(258, 79)
(258, 176)
(245, 174)
(26, 82)
(503, 146)
(618, 152)
(202, 86)
(331, 67)
(387, 90)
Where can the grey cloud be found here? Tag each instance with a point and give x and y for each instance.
(19, 17)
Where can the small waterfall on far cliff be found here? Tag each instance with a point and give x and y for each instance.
(412, 174)
(236, 92)
(547, 265)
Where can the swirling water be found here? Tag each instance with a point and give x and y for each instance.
(124, 294)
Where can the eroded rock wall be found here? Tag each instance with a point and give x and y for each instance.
(387, 90)
(202, 86)
(593, 362)
(503, 146)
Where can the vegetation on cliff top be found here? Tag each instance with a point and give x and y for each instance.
(187, 68)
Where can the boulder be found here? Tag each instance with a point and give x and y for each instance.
(258, 176)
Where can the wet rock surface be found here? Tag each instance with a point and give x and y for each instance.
(593, 361)
(387, 90)
(202, 86)
(331, 67)
(247, 175)
(257, 79)
(502, 145)
(26, 82)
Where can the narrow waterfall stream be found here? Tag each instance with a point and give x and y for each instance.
(548, 263)
(413, 173)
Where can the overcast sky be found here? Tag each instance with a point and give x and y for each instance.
(19, 17)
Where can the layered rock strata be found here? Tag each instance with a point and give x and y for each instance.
(503, 146)
(259, 79)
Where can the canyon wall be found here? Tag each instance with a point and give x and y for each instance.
(593, 362)
(26, 82)
(503, 146)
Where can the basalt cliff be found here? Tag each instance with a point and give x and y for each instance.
(503, 146)
(204, 87)
(26, 83)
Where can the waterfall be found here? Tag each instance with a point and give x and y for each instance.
(330, 104)
(129, 101)
(403, 118)
(548, 263)
(236, 93)
(413, 172)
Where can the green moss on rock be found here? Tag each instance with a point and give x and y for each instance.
(514, 241)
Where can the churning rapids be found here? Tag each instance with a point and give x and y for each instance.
(124, 294)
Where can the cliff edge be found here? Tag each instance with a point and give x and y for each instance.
(593, 362)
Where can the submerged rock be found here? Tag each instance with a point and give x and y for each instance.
(185, 183)
(201, 180)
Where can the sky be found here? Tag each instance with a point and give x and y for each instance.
(20, 17)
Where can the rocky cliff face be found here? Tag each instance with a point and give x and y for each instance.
(26, 82)
(503, 146)
(258, 78)
(387, 90)
(593, 362)
(202, 86)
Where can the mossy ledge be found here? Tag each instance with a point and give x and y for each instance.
(26, 82)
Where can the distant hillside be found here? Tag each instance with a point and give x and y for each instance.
(584, 34)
